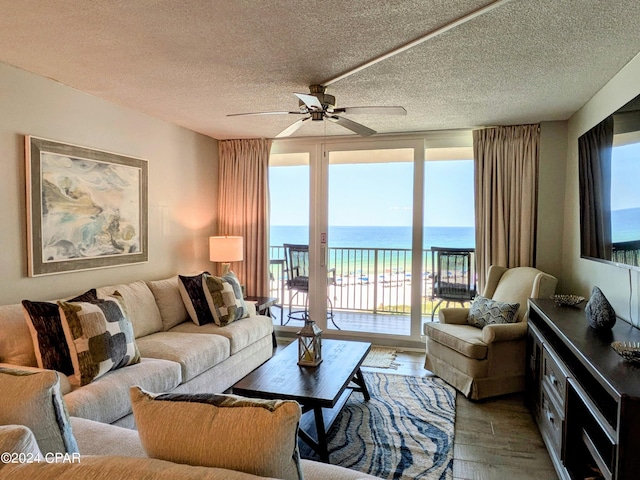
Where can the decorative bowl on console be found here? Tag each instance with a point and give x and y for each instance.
(567, 300)
(630, 351)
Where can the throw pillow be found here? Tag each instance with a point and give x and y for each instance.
(100, 337)
(193, 297)
(485, 311)
(47, 335)
(224, 298)
(33, 399)
(259, 437)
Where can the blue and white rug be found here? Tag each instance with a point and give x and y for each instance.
(404, 432)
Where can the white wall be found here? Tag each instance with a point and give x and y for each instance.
(183, 169)
(551, 181)
(580, 275)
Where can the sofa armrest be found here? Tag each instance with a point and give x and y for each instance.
(456, 316)
(504, 332)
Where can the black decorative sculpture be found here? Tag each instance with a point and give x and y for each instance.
(600, 313)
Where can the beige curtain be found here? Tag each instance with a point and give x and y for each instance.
(506, 191)
(243, 195)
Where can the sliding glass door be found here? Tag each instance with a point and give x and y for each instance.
(359, 206)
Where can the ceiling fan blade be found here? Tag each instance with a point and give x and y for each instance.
(351, 125)
(292, 128)
(309, 100)
(371, 110)
(263, 113)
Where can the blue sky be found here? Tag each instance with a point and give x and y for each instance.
(377, 194)
(625, 176)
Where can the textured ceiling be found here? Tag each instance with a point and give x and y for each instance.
(193, 62)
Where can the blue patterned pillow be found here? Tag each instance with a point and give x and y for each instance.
(485, 311)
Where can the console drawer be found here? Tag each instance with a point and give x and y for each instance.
(551, 425)
(554, 377)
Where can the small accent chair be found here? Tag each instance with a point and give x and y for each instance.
(490, 361)
(455, 276)
(297, 270)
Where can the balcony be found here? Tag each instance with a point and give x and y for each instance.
(372, 289)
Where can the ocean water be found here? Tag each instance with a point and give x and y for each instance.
(377, 237)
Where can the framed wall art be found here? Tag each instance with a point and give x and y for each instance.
(86, 208)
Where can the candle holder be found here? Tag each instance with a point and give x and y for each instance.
(309, 344)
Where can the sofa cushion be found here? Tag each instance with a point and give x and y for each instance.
(169, 301)
(259, 437)
(485, 311)
(33, 399)
(224, 298)
(192, 293)
(47, 335)
(194, 353)
(240, 334)
(16, 346)
(99, 336)
(96, 438)
(18, 439)
(116, 468)
(107, 398)
(464, 339)
(140, 305)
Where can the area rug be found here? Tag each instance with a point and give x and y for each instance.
(381, 357)
(404, 432)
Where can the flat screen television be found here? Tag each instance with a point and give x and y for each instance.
(609, 188)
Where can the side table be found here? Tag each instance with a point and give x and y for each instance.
(263, 306)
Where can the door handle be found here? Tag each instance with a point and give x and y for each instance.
(323, 256)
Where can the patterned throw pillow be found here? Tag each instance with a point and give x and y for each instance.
(224, 298)
(100, 337)
(192, 293)
(485, 311)
(49, 343)
(225, 431)
(33, 399)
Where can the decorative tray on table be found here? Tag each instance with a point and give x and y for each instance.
(567, 300)
(630, 351)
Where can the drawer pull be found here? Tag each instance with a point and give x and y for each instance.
(550, 417)
(553, 379)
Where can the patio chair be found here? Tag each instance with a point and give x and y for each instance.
(455, 276)
(297, 270)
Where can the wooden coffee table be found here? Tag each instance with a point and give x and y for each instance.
(322, 390)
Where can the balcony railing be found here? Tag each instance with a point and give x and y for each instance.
(626, 252)
(376, 280)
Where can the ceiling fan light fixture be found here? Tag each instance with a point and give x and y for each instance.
(319, 105)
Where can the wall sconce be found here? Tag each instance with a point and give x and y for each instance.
(226, 250)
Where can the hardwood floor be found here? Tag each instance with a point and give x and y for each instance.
(495, 439)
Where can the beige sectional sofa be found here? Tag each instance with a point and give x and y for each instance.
(109, 452)
(177, 355)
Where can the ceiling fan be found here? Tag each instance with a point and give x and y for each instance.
(317, 105)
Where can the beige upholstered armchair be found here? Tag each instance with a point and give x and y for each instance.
(489, 361)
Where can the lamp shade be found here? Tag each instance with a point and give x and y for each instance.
(225, 249)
